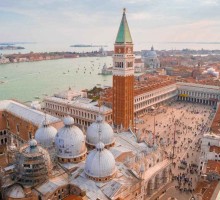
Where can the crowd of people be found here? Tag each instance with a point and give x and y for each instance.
(184, 183)
(179, 129)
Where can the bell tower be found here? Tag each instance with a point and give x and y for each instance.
(123, 76)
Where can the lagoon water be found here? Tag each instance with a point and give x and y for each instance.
(25, 81)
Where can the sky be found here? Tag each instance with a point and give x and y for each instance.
(97, 21)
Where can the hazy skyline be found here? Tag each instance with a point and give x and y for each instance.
(96, 21)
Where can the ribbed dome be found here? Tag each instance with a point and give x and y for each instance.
(16, 192)
(45, 135)
(100, 163)
(70, 140)
(100, 127)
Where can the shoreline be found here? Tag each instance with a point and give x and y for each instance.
(33, 57)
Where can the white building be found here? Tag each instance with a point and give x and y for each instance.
(83, 110)
(154, 97)
(4, 60)
(138, 65)
(106, 70)
(191, 92)
(70, 94)
(150, 58)
(198, 93)
(210, 157)
(212, 72)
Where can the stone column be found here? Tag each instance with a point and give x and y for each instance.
(156, 182)
(160, 180)
(150, 187)
(165, 175)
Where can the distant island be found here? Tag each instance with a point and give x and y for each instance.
(33, 57)
(10, 47)
(87, 45)
(14, 43)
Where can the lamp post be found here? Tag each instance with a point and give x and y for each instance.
(154, 130)
(174, 141)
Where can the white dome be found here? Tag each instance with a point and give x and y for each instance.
(70, 141)
(152, 54)
(32, 142)
(16, 192)
(100, 162)
(45, 135)
(100, 127)
(68, 121)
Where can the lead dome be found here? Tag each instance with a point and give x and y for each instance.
(100, 130)
(100, 164)
(45, 135)
(70, 142)
(16, 192)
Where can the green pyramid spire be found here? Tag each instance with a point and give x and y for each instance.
(124, 35)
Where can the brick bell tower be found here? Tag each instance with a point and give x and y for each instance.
(123, 77)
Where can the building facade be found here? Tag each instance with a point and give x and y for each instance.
(83, 110)
(123, 77)
(144, 102)
(198, 93)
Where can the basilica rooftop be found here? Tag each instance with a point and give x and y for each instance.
(26, 113)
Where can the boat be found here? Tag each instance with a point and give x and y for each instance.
(37, 97)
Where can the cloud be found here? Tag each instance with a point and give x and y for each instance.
(210, 2)
(97, 21)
